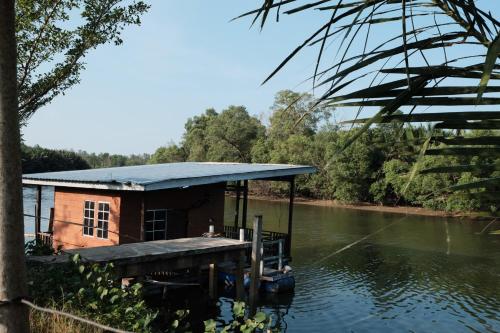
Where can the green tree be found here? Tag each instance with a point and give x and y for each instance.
(53, 38)
(232, 135)
(409, 69)
(195, 139)
(168, 154)
(295, 113)
(37, 159)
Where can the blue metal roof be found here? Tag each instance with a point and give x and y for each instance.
(163, 176)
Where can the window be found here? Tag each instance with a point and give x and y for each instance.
(102, 220)
(155, 224)
(88, 218)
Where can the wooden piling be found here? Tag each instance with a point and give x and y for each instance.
(255, 266)
(212, 281)
(240, 288)
(288, 247)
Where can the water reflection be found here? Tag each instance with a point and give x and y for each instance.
(418, 274)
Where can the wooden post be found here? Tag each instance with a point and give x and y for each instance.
(240, 288)
(212, 281)
(237, 210)
(245, 204)
(143, 236)
(290, 218)
(280, 254)
(51, 220)
(38, 211)
(255, 266)
(13, 315)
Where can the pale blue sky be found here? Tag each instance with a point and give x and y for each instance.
(185, 58)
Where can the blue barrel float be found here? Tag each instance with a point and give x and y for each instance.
(272, 281)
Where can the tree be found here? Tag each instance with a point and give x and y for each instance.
(419, 46)
(195, 136)
(295, 113)
(233, 134)
(38, 159)
(168, 154)
(13, 315)
(228, 136)
(52, 48)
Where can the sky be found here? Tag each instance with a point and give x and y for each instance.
(187, 57)
(184, 58)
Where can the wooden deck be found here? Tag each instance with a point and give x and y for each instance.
(139, 259)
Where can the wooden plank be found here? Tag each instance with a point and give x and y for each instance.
(255, 265)
(139, 253)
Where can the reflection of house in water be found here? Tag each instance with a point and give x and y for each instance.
(114, 206)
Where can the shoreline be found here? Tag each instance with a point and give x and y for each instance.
(407, 210)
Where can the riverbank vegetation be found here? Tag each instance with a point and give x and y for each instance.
(375, 168)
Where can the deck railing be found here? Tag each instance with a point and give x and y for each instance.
(274, 243)
(45, 238)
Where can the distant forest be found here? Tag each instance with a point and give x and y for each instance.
(375, 168)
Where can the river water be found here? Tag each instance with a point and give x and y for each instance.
(414, 274)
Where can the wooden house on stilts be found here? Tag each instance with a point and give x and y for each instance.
(114, 206)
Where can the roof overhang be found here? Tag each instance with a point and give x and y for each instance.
(274, 174)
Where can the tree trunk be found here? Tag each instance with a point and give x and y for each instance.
(13, 316)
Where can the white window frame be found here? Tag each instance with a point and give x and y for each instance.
(104, 227)
(153, 221)
(90, 217)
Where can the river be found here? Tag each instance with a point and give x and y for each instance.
(414, 274)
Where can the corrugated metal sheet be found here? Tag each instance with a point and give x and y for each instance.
(162, 176)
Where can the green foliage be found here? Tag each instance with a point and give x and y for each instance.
(168, 154)
(53, 38)
(38, 159)
(91, 291)
(228, 136)
(36, 247)
(106, 160)
(258, 323)
(374, 168)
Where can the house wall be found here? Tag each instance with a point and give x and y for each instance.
(68, 217)
(201, 203)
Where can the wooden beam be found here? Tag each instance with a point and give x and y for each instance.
(290, 218)
(255, 265)
(245, 204)
(237, 210)
(38, 211)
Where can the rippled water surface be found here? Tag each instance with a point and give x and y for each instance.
(417, 274)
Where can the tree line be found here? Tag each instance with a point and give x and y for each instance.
(375, 168)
